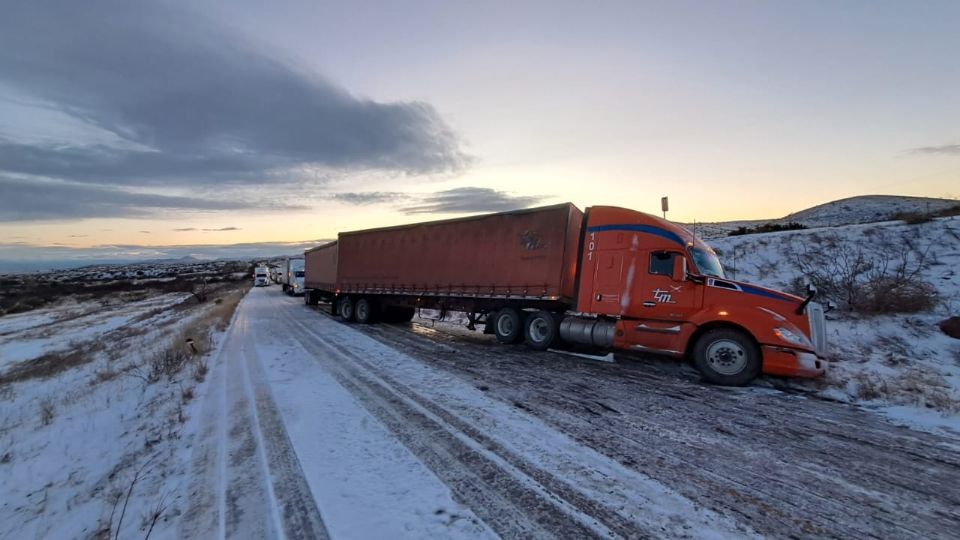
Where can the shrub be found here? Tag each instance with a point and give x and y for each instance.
(886, 280)
(888, 295)
(47, 412)
(767, 227)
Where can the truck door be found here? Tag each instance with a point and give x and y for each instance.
(665, 301)
(608, 282)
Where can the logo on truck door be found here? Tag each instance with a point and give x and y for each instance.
(665, 297)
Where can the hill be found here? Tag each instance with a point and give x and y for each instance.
(849, 211)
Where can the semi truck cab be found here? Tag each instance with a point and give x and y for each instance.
(665, 291)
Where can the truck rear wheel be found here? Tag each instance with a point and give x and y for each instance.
(347, 313)
(541, 331)
(727, 357)
(365, 311)
(508, 326)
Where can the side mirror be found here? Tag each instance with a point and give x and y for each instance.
(811, 289)
(679, 268)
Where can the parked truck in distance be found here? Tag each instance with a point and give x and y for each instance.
(261, 276)
(608, 277)
(290, 275)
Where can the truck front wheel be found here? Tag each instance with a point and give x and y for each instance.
(508, 326)
(347, 312)
(541, 330)
(727, 357)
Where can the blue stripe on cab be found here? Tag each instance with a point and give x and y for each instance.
(649, 229)
(749, 289)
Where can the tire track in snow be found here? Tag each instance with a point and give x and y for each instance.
(559, 492)
(247, 481)
(505, 499)
(815, 467)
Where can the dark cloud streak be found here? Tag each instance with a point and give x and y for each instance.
(23, 200)
(947, 149)
(468, 200)
(369, 197)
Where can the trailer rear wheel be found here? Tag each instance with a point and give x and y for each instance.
(347, 312)
(508, 326)
(365, 311)
(541, 331)
(727, 357)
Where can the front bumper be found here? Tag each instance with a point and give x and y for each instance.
(792, 362)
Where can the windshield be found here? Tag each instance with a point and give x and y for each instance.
(707, 262)
(298, 273)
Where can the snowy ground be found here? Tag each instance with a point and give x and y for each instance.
(900, 363)
(306, 427)
(70, 325)
(88, 438)
(313, 428)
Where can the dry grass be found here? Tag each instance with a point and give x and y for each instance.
(915, 387)
(225, 305)
(193, 342)
(47, 366)
(167, 361)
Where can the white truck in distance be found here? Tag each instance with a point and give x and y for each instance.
(260, 277)
(291, 275)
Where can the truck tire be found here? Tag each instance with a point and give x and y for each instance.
(727, 357)
(366, 311)
(508, 326)
(541, 331)
(308, 298)
(347, 312)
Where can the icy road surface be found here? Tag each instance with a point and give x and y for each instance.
(313, 429)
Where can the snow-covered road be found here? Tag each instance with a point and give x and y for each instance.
(312, 428)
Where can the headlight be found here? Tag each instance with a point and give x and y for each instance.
(794, 338)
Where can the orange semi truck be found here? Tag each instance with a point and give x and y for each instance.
(608, 277)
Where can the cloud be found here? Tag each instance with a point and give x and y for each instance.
(947, 149)
(369, 197)
(222, 229)
(185, 229)
(22, 199)
(180, 101)
(470, 200)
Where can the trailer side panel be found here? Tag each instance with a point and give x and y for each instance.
(320, 267)
(521, 254)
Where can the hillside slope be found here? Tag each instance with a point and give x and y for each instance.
(849, 211)
(866, 209)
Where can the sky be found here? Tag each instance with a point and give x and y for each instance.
(155, 129)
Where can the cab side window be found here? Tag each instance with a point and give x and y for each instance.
(661, 263)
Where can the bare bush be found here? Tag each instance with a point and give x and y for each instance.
(200, 371)
(167, 362)
(47, 412)
(885, 279)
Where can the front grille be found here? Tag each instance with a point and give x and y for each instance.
(818, 327)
